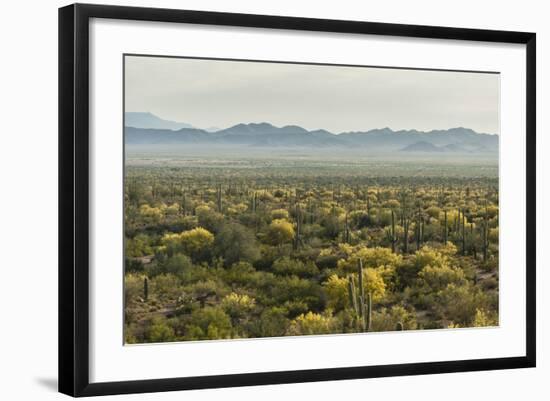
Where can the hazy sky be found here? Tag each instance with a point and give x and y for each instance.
(208, 93)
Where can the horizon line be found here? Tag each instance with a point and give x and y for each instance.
(299, 126)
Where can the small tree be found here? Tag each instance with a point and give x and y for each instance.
(279, 214)
(196, 239)
(236, 243)
(336, 289)
(312, 323)
(238, 306)
(159, 331)
(210, 323)
(195, 243)
(280, 232)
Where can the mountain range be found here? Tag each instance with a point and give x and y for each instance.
(454, 140)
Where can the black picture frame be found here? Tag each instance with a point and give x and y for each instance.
(74, 198)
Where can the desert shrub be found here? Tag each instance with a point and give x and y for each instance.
(485, 319)
(165, 287)
(138, 246)
(459, 303)
(240, 274)
(238, 305)
(206, 292)
(288, 266)
(177, 265)
(209, 219)
(158, 331)
(133, 266)
(327, 261)
(133, 287)
(279, 232)
(196, 243)
(436, 278)
(279, 214)
(360, 219)
(331, 226)
(293, 288)
(151, 214)
(272, 323)
(337, 292)
(429, 256)
(385, 319)
(370, 257)
(208, 324)
(434, 212)
(236, 243)
(489, 284)
(384, 217)
(312, 323)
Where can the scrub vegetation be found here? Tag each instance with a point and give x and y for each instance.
(285, 246)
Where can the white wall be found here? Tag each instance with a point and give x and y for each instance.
(28, 201)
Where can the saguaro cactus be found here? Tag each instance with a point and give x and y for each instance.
(368, 204)
(485, 236)
(172, 192)
(419, 228)
(347, 233)
(298, 235)
(145, 289)
(361, 304)
(219, 198)
(253, 201)
(183, 205)
(392, 237)
(463, 233)
(446, 230)
(422, 230)
(472, 240)
(406, 224)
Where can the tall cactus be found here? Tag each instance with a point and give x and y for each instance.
(485, 237)
(368, 313)
(422, 230)
(406, 224)
(472, 239)
(347, 233)
(446, 231)
(183, 203)
(463, 233)
(391, 235)
(298, 235)
(145, 289)
(253, 201)
(309, 215)
(219, 198)
(361, 303)
(352, 294)
(418, 229)
(368, 204)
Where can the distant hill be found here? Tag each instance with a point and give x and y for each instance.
(456, 140)
(422, 147)
(149, 120)
(453, 147)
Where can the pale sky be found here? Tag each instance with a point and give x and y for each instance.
(206, 93)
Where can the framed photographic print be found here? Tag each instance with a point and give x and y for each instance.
(250, 199)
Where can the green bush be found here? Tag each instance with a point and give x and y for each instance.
(288, 266)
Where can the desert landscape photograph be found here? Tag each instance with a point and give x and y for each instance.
(271, 199)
